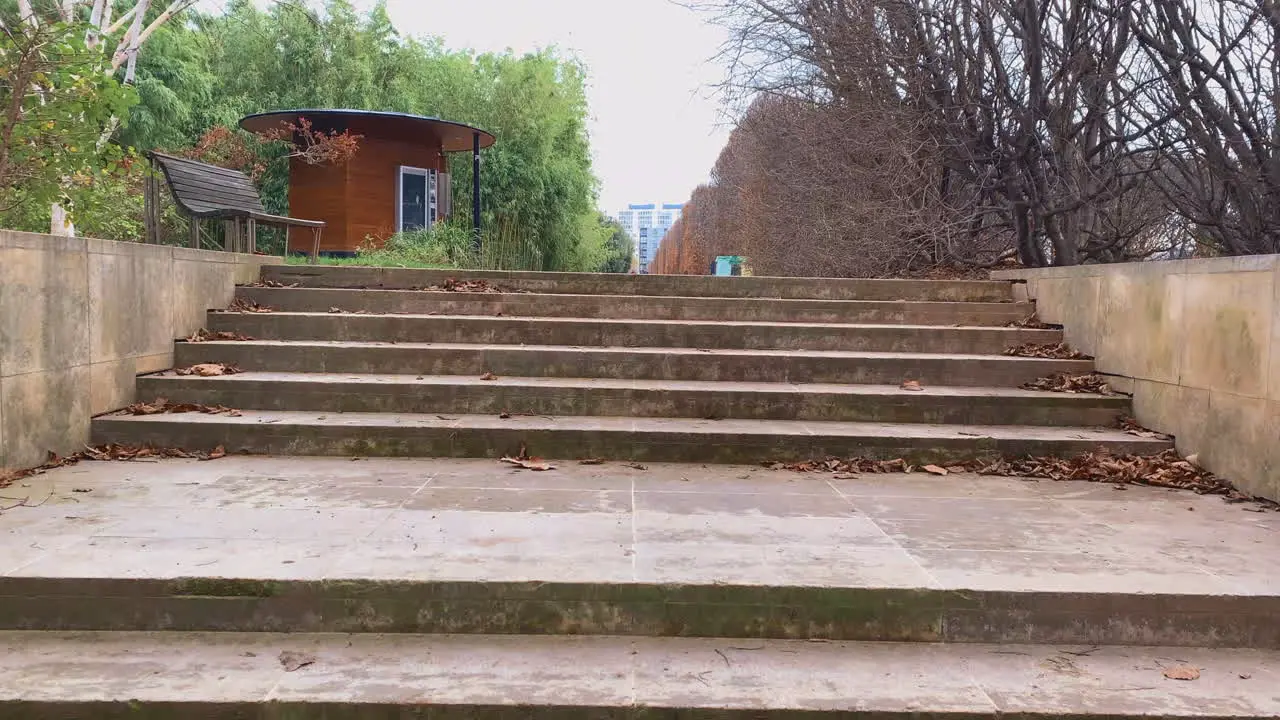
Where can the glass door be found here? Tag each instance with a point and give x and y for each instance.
(416, 198)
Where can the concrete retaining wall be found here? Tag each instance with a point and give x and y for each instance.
(1197, 342)
(81, 318)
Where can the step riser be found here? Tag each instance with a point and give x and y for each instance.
(1049, 409)
(708, 446)
(639, 307)
(360, 710)
(724, 611)
(672, 285)
(503, 331)
(620, 364)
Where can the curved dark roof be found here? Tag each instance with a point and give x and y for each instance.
(454, 136)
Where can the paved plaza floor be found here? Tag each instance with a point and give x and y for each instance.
(305, 518)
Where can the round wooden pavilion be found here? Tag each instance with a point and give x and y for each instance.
(398, 179)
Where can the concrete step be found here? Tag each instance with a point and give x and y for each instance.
(472, 546)
(328, 392)
(897, 312)
(616, 438)
(628, 333)
(659, 363)
(674, 285)
(171, 676)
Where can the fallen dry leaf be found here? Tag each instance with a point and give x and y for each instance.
(529, 464)
(1182, 672)
(1032, 322)
(1133, 427)
(203, 335)
(488, 376)
(912, 385)
(1068, 383)
(209, 370)
(245, 305)
(335, 310)
(1166, 470)
(935, 470)
(637, 466)
(161, 406)
(292, 660)
(504, 416)
(104, 453)
(468, 286)
(1058, 351)
(851, 466)
(591, 461)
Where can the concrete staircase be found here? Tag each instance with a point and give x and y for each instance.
(292, 588)
(365, 362)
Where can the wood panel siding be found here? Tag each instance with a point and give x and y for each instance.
(371, 184)
(357, 200)
(318, 192)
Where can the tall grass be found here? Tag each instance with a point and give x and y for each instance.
(446, 246)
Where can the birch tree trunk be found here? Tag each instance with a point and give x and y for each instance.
(126, 54)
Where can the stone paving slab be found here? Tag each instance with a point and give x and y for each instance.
(961, 557)
(627, 363)
(70, 676)
(274, 432)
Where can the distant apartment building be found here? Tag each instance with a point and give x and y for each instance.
(647, 223)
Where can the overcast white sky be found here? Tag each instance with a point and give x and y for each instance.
(656, 128)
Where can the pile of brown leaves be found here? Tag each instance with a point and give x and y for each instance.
(466, 286)
(271, 284)
(203, 335)
(1166, 470)
(1059, 351)
(1133, 427)
(849, 467)
(109, 452)
(162, 406)
(245, 305)
(1067, 383)
(209, 370)
(1032, 322)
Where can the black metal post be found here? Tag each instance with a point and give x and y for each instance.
(475, 188)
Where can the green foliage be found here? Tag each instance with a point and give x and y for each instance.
(210, 69)
(60, 103)
(619, 247)
(538, 188)
(444, 245)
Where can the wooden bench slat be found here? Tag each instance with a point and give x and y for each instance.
(199, 180)
(175, 162)
(217, 197)
(210, 192)
(199, 184)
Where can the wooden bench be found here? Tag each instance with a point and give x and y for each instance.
(208, 192)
